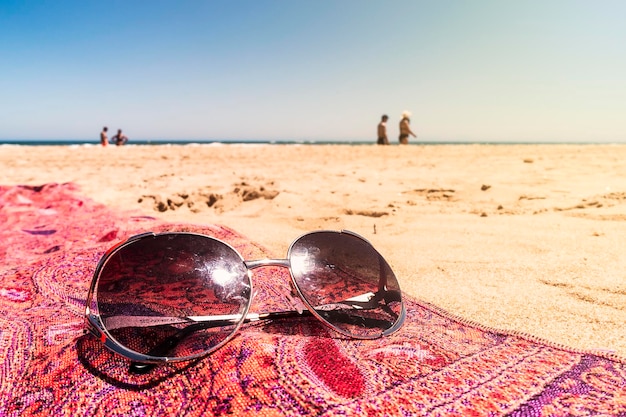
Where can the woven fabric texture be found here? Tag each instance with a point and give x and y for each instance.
(51, 240)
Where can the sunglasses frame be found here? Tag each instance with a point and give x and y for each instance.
(96, 327)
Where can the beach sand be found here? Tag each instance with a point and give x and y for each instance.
(526, 238)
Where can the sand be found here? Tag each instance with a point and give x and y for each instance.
(526, 238)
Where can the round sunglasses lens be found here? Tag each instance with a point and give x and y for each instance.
(173, 295)
(348, 283)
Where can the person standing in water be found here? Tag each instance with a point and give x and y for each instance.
(405, 128)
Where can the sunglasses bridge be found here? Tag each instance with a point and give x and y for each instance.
(260, 263)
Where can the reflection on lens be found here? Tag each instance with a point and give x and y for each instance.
(175, 295)
(301, 260)
(347, 282)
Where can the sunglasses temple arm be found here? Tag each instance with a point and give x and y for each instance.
(171, 342)
(250, 318)
(349, 317)
(204, 322)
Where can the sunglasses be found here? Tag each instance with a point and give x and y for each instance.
(169, 297)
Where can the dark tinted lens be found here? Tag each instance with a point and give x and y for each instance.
(173, 295)
(348, 283)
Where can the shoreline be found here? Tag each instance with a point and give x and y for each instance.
(243, 142)
(523, 238)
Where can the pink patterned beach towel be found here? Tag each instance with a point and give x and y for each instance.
(51, 240)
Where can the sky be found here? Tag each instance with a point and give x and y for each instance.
(481, 70)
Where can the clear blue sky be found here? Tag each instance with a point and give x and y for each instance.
(491, 70)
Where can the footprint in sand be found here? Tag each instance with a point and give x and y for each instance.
(607, 297)
(367, 213)
(249, 192)
(194, 201)
(605, 200)
(207, 198)
(433, 194)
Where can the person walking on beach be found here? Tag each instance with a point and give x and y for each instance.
(119, 139)
(104, 140)
(405, 129)
(382, 131)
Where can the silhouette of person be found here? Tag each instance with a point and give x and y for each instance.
(405, 128)
(104, 140)
(120, 138)
(382, 131)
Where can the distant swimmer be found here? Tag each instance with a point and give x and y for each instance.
(104, 140)
(120, 138)
(382, 130)
(405, 129)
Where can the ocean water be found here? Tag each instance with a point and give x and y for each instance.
(85, 142)
(65, 142)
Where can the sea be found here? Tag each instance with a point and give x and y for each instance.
(180, 142)
(65, 142)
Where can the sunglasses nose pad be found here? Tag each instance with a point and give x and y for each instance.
(295, 301)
